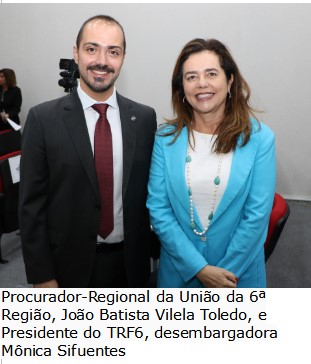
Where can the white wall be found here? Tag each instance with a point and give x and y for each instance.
(271, 43)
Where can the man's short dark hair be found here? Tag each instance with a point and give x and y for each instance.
(107, 19)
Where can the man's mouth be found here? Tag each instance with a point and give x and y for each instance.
(100, 73)
(100, 70)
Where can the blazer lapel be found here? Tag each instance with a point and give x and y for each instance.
(128, 117)
(242, 163)
(75, 123)
(175, 156)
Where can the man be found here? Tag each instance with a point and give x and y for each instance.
(62, 209)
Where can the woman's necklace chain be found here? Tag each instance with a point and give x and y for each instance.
(213, 203)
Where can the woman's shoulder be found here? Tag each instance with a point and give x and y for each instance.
(14, 90)
(260, 127)
(261, 132)
(166, 129)
(169, 133)
(171, 129)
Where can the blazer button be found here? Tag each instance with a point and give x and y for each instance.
(203, 238)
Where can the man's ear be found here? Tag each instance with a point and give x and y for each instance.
(75, 54)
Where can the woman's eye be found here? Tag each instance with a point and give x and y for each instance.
(212, 74)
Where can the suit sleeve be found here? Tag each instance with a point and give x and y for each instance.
(250, 234)
(34, 180)
(187, 260)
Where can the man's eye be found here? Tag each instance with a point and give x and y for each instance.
(114, 53)
(90, 50)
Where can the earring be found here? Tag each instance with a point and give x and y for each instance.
(183, 100)
(229, 94)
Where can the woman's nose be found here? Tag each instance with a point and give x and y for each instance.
(203, 81)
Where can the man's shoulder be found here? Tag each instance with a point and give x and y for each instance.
(56, 104)
(50, 103)
(124, 101)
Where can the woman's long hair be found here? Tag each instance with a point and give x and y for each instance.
(236, 121)
(10, 77)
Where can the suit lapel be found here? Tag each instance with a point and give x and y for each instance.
(128, 117)
(75, 123)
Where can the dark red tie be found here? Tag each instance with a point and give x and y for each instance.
(104, 169)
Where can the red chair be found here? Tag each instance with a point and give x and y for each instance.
(9, 195)
(278, 217)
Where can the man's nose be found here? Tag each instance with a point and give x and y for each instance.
(102, 57)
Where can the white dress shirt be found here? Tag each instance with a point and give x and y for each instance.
(113, 116)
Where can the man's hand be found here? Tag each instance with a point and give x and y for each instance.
(48, 284)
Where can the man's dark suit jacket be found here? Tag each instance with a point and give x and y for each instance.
(59, 195)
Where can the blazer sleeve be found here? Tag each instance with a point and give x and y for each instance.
(185, 257)
(14, 103)
(34, 173)
(250, 234)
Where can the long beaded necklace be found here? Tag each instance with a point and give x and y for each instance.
(216, 184)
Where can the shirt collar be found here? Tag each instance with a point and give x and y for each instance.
(87, 101)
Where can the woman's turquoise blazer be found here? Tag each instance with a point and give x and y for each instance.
(237, 232)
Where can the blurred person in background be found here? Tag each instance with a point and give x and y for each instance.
(10, 98)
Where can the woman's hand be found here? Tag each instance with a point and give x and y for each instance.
(4, 116)
(214, 277)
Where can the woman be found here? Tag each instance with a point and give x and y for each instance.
(212, 178)
(10, 98)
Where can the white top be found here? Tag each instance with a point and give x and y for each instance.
(113, 116)
(203, 170)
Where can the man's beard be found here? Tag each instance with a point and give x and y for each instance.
(99, 86)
